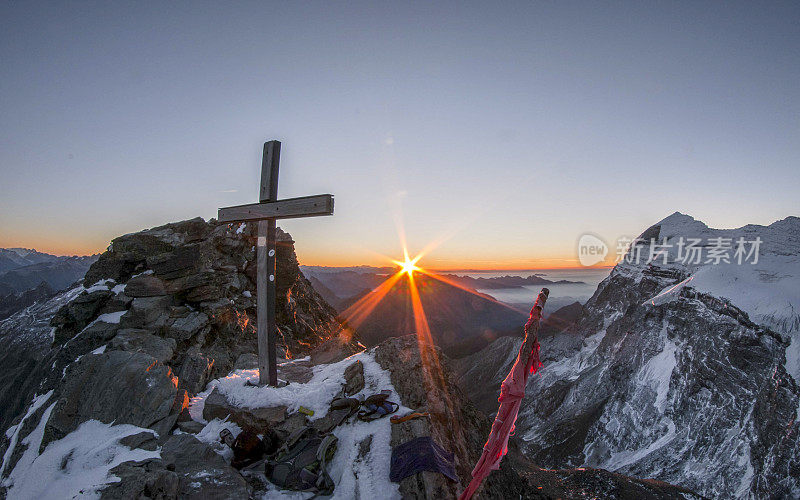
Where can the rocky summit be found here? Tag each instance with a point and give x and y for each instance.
(159, 314)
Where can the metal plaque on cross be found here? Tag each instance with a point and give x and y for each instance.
(266, 212)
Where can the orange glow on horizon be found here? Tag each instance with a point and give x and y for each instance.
(451, 266)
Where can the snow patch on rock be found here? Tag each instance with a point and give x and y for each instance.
(76, 465)
(657, 372)
(13, 432)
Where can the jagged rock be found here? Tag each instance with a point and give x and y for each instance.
(166, 424)
(74, 316)
(145, 312)
(134, 340)
(185, 327)
(202, 472)
(191, 426)
(334, 350)
(144, 440)
(93, 336)
(126, 255)
(195, 371)
(364, 446)
(246, 361)
(117, 386)
(218, 406)
(354, 378)
(140, 480)
(145, 285)
(177, 263)
(119, 302)
(204, 286)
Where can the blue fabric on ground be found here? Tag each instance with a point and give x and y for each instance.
(420, 454)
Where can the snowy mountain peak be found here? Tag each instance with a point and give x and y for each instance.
(683, 366)
(755, 267)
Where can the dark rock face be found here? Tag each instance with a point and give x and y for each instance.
(147, 479)
(354, 378)
(117, 386)
(195, 371)
(145, 286)
(164, 310)
(188, 468)
(75, 316)
(203, 473)
(143, 341)
(690, 390)
(26, 338)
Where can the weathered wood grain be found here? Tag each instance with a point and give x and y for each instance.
(291, 208)
(270, 162)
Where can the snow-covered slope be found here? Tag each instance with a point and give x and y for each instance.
(684, 371)
(26, 337)
(766, 287)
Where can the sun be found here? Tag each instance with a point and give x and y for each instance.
(408, 265)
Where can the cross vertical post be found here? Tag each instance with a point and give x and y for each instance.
(268, 209)
(266, 291)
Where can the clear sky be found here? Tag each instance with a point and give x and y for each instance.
(508, 130)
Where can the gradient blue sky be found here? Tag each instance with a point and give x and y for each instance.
(512, 129)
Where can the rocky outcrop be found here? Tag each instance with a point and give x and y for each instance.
(188, 468)
(158, 315)
(116, 386)
(133, 340)
(218, 406)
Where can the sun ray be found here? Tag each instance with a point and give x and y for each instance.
(431, 366)
(358, 312)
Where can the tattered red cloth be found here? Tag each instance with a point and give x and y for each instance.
(512, 391)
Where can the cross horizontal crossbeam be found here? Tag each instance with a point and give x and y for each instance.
(290, 208)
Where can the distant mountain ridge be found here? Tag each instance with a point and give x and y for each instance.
(27, 275)
(507, 281)
(58, 273)
(12, 258)
(340, 285)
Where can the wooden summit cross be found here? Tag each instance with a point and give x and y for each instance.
(266, 212)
